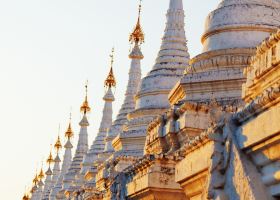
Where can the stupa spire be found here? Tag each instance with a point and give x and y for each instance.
(172, 59)
(152, 96)
(56, 192)
(69, 133)
(176, 5)
(48, 180)
(85, 106)
(56, 167)
(57, 144)
(50, 159)
(71, 178)
(34, 190)
(98, 144)
(40, 184)
(35, 179)
(41, 176)
(137, 35)
(110, 80)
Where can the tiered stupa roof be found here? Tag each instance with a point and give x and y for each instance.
(39, 191)
(170, 63)
(48, 180)
(137, 37)
(70, 180)
(152, 96)
(34, 188)
(67, 158)
(56, 167)
(98, 144)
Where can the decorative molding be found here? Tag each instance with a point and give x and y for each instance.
(222, 58)
(241, 27)
(263, 101)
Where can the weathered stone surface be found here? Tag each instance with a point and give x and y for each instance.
(260, 128)
(240, 24)
(220, 137)
(192, 171)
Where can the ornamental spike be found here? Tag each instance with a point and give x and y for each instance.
(137, 36)
(110, 80)
(85, 106)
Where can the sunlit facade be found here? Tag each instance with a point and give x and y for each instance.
(205, 127)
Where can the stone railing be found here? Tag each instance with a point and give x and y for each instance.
(263, 66)
(169, 131)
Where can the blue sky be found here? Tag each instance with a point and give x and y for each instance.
(47, 51)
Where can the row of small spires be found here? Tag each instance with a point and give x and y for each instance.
(39, 177)
(85, 108)
(137, 37)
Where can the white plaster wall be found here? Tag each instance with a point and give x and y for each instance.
(159, 100)
(239, 14)
(274, 3)
(239, 39)
(155, 84)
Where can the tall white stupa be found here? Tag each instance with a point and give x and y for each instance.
(70, 178)
(48, 180)
(88, 168)
(152, 96)
(57, 192)
(134, 78)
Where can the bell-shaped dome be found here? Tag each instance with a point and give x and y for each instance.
(240, 24)
(271, 3)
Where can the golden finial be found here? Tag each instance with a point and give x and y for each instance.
(41, 174)
(112, 56)
(110, 80)
(69, 133)
(85, 107)
(25, 197)
(58, 145)
(35, 180)
(50, 159)
(137, 35)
